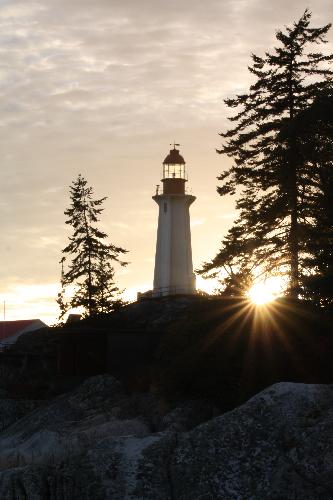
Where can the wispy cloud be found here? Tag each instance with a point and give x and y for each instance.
(230, 215)
(198, 222)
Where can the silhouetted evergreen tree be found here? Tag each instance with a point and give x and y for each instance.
(61, 295)
(265, 147)
(315, 131)
(107, 296)
(236, 283)
(90, 270)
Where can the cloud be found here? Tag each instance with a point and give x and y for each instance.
(120, 225)
(197, 222)
(230, 215)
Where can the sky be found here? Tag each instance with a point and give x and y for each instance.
(101, 88)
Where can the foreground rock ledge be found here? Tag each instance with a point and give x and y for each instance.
(98, 443)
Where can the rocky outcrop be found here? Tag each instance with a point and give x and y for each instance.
(12, 410)
(99, 443)
(71, 424)
(275, 446)
(186, 415)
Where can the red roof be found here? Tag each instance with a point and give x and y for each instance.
(174, 158)
(10, 328)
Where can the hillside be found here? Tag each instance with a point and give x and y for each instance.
(222, 349)
(176, 422)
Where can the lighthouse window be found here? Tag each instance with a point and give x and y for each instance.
(165, 207)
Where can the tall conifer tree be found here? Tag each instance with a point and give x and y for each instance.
(268, 233)
(90, 270)
(315, 130)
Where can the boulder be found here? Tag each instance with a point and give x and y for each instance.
(12, 410)
(187, 414)
(70, 425)
(278, 445)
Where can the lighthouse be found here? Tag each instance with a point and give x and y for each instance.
(173, 259)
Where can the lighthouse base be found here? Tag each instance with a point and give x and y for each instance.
(166, 292)
(175, 290)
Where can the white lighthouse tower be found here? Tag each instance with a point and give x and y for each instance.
(173, 259)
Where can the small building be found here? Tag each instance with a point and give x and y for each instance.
(10, 331)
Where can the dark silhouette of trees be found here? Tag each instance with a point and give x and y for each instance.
(236, 283)
(315, 131)
(61, 301)
(269, 175)
(90, 270)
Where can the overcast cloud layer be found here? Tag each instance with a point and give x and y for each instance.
(102, 87)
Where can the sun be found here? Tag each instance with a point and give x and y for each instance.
(267, 291)
(260, 294)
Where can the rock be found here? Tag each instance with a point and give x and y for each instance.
(186, 415)
(35, 483)
(12, 410)
(70, 425)
(274, 446)
(88, 444)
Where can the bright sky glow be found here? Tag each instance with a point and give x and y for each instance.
(130, 294)
(30, 302)
(208, 285)
(267, 291)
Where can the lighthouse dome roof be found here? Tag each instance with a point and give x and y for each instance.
(174, 158)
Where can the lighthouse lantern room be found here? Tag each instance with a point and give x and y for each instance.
(173, 260)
